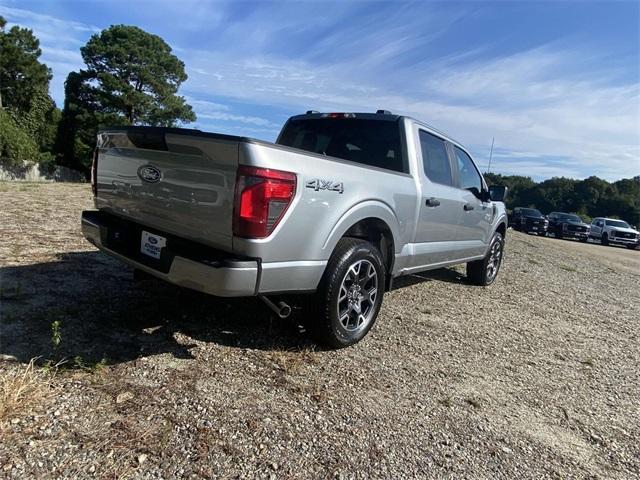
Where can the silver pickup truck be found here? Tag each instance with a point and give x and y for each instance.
(339, 206)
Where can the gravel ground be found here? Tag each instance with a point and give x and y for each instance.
(534, 377)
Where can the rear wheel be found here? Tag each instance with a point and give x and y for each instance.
(350, 294)
(484, 272)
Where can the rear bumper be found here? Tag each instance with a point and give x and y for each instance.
(224, 277)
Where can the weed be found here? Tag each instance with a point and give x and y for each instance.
(56, 335)
(22, 390)
(90, 367)
(291, 362)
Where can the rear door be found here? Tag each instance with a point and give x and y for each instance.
(170, 180)
(439, 206)
(474, 225)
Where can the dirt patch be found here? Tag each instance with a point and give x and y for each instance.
(536, 376)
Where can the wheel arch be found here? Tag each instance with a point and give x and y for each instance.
(371, 221)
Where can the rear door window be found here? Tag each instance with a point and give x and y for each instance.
(437, 166)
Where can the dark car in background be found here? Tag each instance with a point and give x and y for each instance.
(568, 225)
(528, 220)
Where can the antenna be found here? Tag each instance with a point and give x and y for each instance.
(490, 155)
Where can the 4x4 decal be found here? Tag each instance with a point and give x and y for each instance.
(330, 185)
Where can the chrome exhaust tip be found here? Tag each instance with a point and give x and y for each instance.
(282, 309)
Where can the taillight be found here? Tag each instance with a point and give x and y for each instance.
(94, 173)
(261, 199)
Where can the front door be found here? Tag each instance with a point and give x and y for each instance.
(476, 216)
(596, 228)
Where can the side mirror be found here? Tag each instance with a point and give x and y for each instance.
(497, 193)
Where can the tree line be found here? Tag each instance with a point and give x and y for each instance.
(591, 197)
(131, 77)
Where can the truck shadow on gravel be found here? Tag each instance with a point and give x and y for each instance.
(103, 315)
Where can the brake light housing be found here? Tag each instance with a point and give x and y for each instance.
(94, 173)
(262, 197)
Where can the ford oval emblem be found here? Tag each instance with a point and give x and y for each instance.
(149, 174)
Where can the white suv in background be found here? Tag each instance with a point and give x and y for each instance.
(610, 230)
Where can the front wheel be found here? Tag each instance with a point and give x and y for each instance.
(350, 294)
(604, 240)
(484, 272)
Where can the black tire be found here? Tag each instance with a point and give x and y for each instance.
(559, 233)
(584, 240)
(632, 247)
(327, 327)
(604, 240)
(478, 272)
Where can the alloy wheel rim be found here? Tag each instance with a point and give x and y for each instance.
(495, 257)
(357, 296)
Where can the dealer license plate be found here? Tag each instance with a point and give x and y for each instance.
(152, 245)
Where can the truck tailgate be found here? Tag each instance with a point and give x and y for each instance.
(174, 180)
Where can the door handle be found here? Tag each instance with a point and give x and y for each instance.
(467, 207)
(432, 202)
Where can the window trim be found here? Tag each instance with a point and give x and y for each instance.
(423, 172)
(404, 156)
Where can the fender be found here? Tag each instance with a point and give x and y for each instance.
(361, 211)
(500, 219)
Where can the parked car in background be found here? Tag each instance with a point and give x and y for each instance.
(611, 230)
(528, 220)
(341, 205)
(568, 225)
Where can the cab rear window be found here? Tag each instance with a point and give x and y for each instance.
(371, 142)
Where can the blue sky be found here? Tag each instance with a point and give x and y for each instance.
(556, 83)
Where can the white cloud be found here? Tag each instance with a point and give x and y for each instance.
(552, 109)
(525, 101)
(28, 17)
(236, 118)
